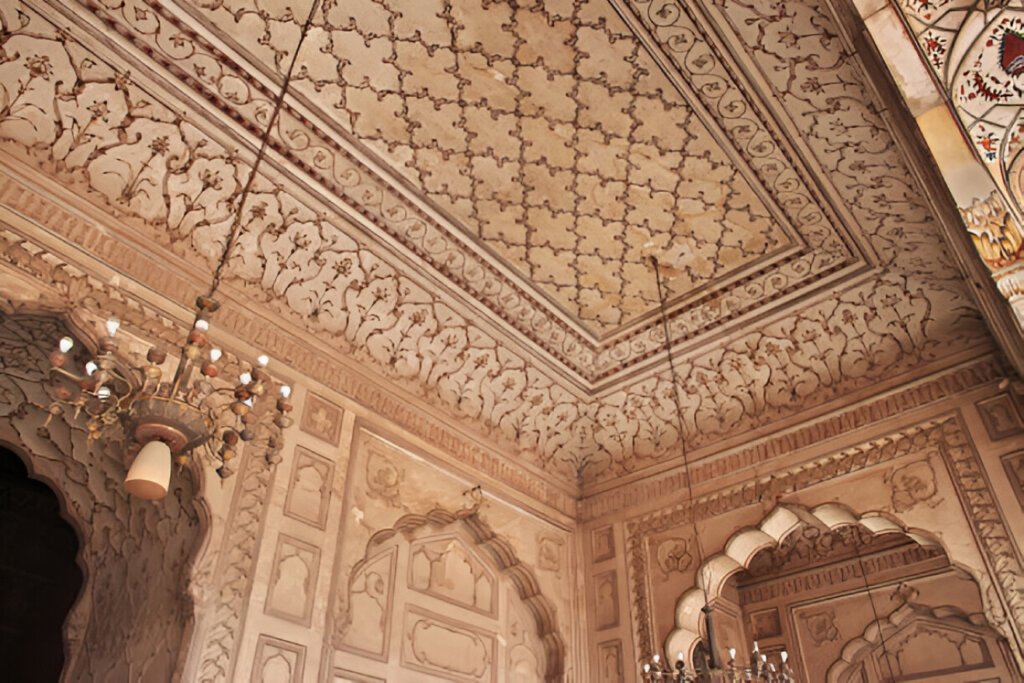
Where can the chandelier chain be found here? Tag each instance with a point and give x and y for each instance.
(236, 225)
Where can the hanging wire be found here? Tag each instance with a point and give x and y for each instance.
(871, 600)
(681, 426)
(236, 226)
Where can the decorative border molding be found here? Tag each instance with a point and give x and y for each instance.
(945, 385)
(236, 568)
(265, 642)
(304, 455)
(302, 619)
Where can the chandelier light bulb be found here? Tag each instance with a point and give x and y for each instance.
(262, 360)
(215, 354)
(202, 325)
(113, 324)
(286, 391)
(656, 658)
(103, 393)
(756, 648)
(90, 368)
(66, 343)
(150, 474)
(245, 378)
(764, 658)
(732, 653)
(679, 656)
(647, 668)
(785, 656)
(249, 402)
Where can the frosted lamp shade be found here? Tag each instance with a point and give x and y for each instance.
(150, 474)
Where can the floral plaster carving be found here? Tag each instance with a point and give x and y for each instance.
(911, 485)
(821, 626)
(119, 141)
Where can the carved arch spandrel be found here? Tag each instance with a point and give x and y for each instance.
(906, 618)
(504, 558)
(784, 520)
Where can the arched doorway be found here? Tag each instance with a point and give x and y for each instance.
(848, 597)
(39, 576)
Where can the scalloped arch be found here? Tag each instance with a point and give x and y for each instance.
(503, 556)
(905, 617)
(741, 547)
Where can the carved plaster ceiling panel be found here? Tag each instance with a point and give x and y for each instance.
(463, 195)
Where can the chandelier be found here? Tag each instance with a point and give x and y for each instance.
(172, 417)
(760, 669)
(706, 666)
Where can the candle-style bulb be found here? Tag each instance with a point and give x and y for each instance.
(679, 656)
(103, 393)
(785, 656)
(286, 391)
(764, 658)
(262, 360)
(732, 653)
(756, 648)
(215, 354)
(245, 378)
(113, 324)
(202, 325)
(90, 368)
(647, 668)
(66, 344)
(657, 658)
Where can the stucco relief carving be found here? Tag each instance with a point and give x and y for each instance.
(609, 662)
(383, 479)
(135, 607)
(911, 485)
(356, 296)
(1013, 464)
(549, 553)
(309, 488)
(365, 623)
(606, 600)
(278, 661)
(442, 646)
(446, 568)
(673, 555)
(821, 626)
(296, 565)
(1000, 416)
(602, 544)
(322, 419)
(521, 645)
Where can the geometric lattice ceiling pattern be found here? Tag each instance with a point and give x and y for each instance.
(462, 196)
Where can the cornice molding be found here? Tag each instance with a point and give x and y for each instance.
(667, 485)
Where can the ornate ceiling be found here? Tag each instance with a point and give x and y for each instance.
(464, 195)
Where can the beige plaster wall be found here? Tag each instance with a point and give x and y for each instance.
(322, 559)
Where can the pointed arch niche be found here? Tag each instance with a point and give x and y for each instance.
(985, 647)
(440, 597)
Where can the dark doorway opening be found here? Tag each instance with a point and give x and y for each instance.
(39, 578)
